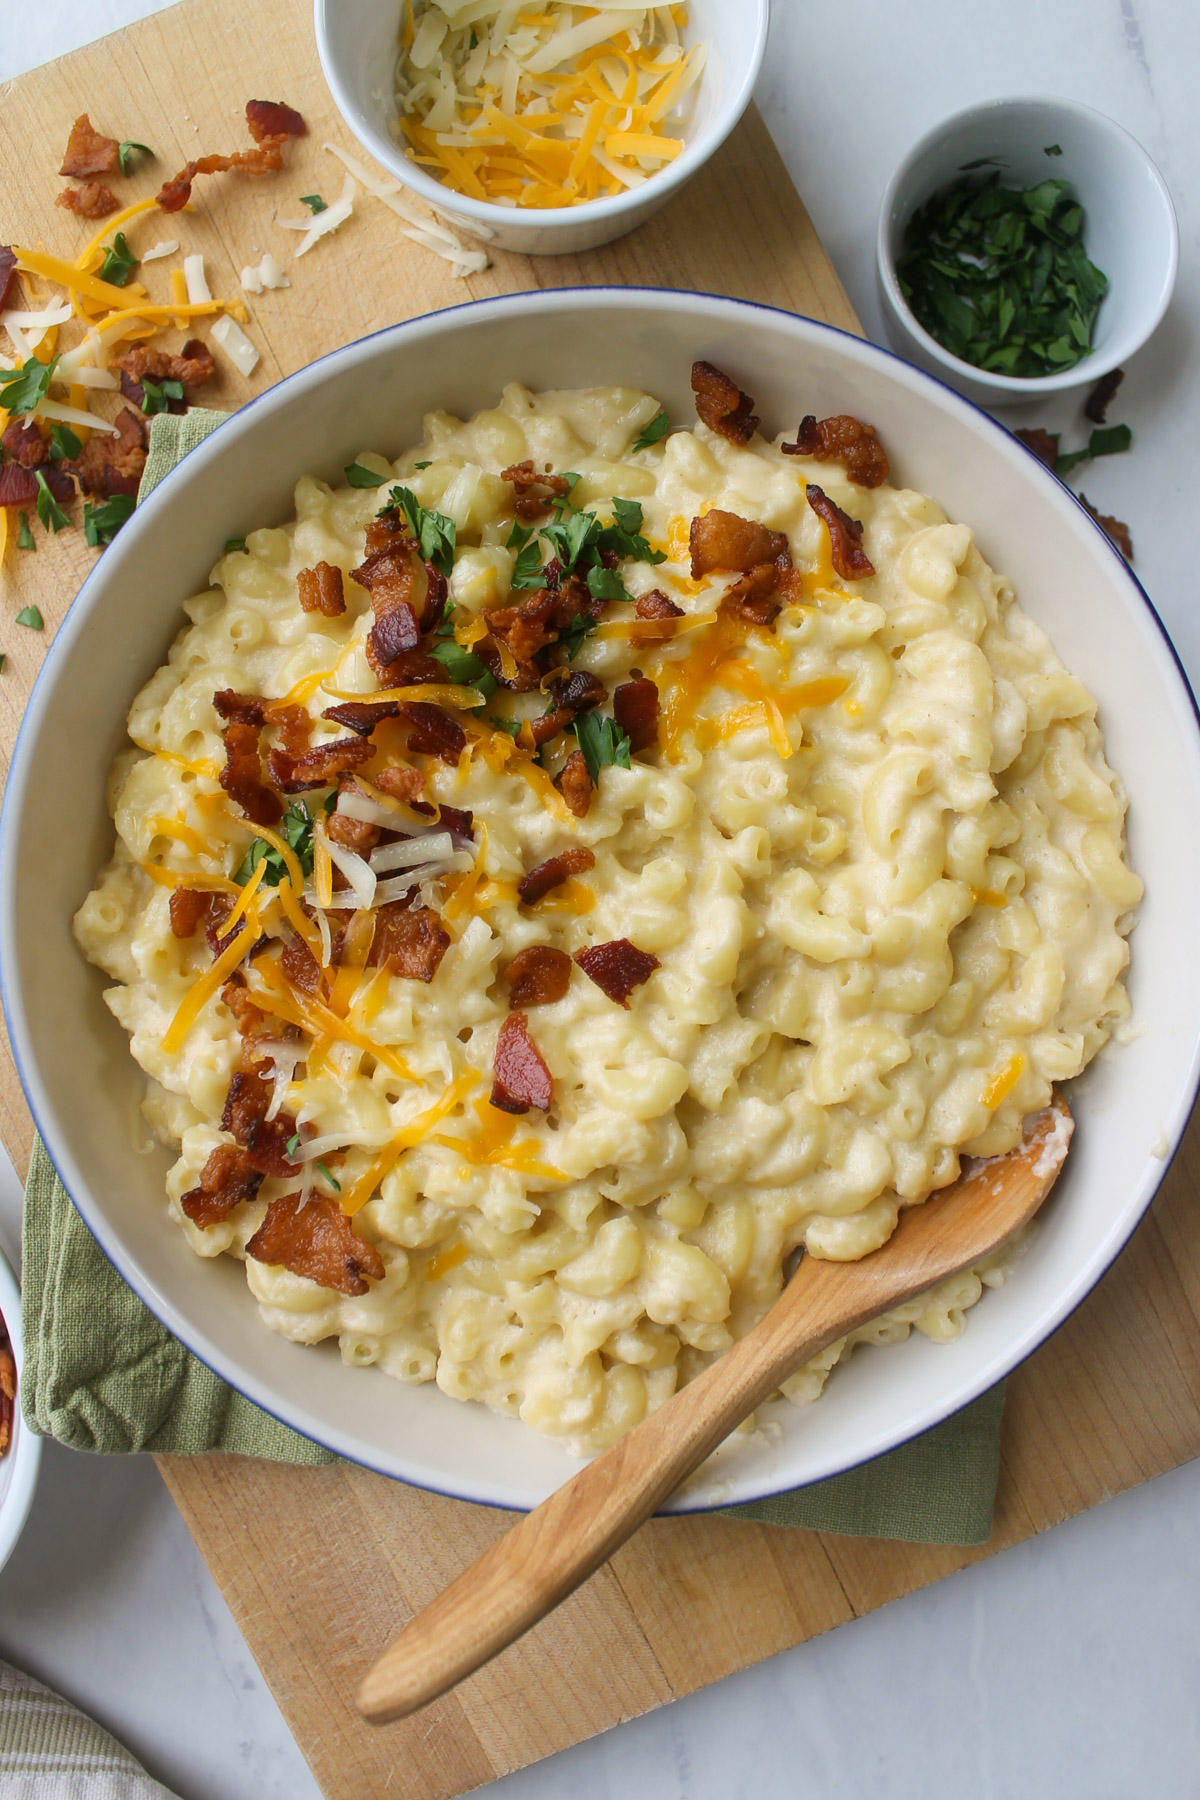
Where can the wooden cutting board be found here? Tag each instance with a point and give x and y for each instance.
(320, 1566)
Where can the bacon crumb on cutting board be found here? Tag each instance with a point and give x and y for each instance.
(113, 463)
(92, 201)
(88, 151)
(272, 119)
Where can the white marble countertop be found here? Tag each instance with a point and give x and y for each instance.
(1066, 1667)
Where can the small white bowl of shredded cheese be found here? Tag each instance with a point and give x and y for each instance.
(543, 128)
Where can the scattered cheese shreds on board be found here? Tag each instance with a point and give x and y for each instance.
(325, 222)
(266, 274)
(168, 247)
(237, 346)
(424, 231)
(198, 290)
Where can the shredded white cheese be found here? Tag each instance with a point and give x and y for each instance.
(324, 223)
(266, 274)
(71, 415)
(197, 282)
(426, 231)
(237, 346)
(168, 247)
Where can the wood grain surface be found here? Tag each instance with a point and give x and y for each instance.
(321, 1566)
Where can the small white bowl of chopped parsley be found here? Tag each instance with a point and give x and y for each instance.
(1025, 247)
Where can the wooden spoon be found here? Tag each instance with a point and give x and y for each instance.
(553, 1549)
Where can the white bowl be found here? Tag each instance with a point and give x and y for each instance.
(20, 1464)
(357, 43)
(55, 834)
(1130, 231)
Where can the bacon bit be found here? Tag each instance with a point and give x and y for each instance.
(536, 732)
(250, 1020)
(92, 201)
(635, 709)
(193, 366)
(272, 119)
(456, 820)
(87, 152)
(388, 530)
(617, 968)
(553, 872)
(574, 783)
(526, 480)
(577, 691)
(109, 464)
(247, 709)
(133, 390)
(8, 1389)
(226, 1178)
(265, 159)
(393, 633)
(301, 966)
(390, 577)
(264, 1140)
(401, 783)
(434, 732)
(537, 976)
(363, 715)
(352, 834)
(314, 1238)
(25, 444)
(1096, 406)
(1116, 529)
(845, 535)
(410, 941)
(520, 1077)
(188, 907)
(656, 605)
(8, 274)
(755, 597)
(525, 629)
(724, 540)
(242, 775)
(721, 404)
(322, 590)
(294, 725)
(18, 486)
(846, 440)
(1044, 444)
(317, 767)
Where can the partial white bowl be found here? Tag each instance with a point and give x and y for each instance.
(20, 1464)
(358, 41)
(1131, 232)
(83, 1086)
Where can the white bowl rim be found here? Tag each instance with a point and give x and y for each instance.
(613, 206)
(1090, 369)
(25, 1450)
(211, 1353)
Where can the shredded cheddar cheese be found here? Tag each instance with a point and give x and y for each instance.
(1004, 1081)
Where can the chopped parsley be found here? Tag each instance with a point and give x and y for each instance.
(64, 445)
(157, 394)
(296, 829)
(48, 510)
(573, 635)
(606, 584)
(999, 276)
(119, 262)
(29, 615)
(527, 570)
(334, 1183)
(423, 465)
(512, 726)
(1052, 150)
(24, 535)
(658, 428)
(464, 668)
(314, 203)
(1108, 440)
(102, 523)
(602, 741)
(361, 477)
(233, 544)
(1, 659)
(291, 1147)
(125, 153)
(21, 389)
(434, 531)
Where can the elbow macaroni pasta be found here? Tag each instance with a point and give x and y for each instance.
(877, 950)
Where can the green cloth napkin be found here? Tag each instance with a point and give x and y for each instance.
(101, 1373)
(48, 1749)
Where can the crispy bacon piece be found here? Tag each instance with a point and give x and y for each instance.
(1116, 529)
(392, 633)
(242, 775)
(577, 691)
(25, 444)
(724, 540)
(226, 1178)
(108, 464)
(317, 767)
(314, 1238)
(1096, 406)
(410, 941)
(403, 784)
(536, 732)
(193, 366)
(8, 1389)
(134, 390)
(1044, 444)
(537, 976)
(87, 152)
(635, 709)
(19, 487)
(617, 968)
(524, 629)
(755, 597)
(434, 732)
(722, 405)
(272, 119)
(188, 907)
(656, 605)
(553, 872)
(8, 274)
(265, 159)
(247, 709)
(846, 440)
(251, 1021)
(91, 201)
(294, 725)
(322, 590)
(264, 1140)
(301, 966)
(362, 715)
(399, 588)
(520, 1077)
(531, 503)
(845, 535)
(354, 834)
(574, 783)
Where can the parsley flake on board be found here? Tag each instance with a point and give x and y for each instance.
(64, 445)
(24, 535)
(314, 203)
(102, 523)
(22, 388)
(48, 510)
(603, 743)
(296, 829)
(1, 659)
(157, 394)
(999, 276)
(119, 262)
(435, 533)
(361, 477)
(125, 153)
(1109, 440)
(658, 428)
(29, 615)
